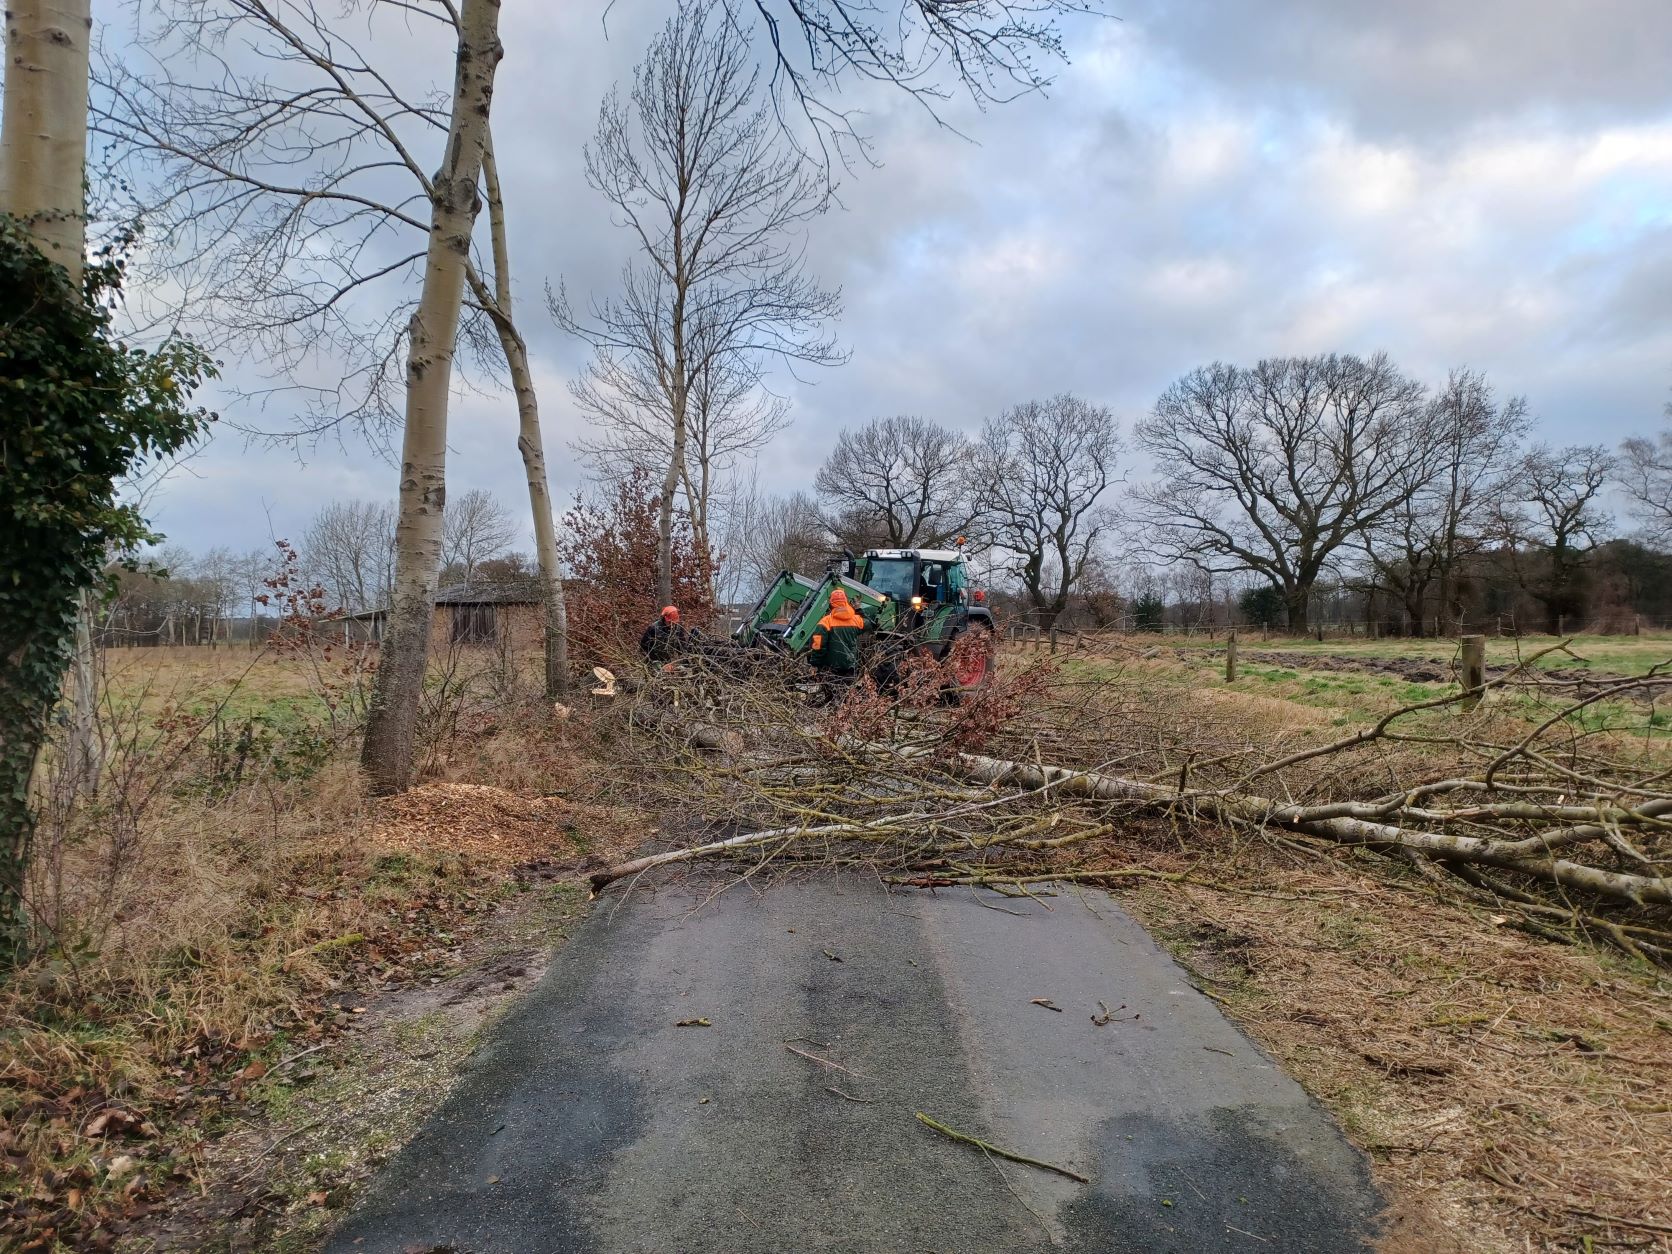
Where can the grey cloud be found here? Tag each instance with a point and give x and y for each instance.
(1205, 181)
(1425, 67)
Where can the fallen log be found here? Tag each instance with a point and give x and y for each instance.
(1325, 821)
(1257, 811)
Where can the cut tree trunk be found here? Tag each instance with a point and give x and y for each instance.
(1243, 808)
(392, 722)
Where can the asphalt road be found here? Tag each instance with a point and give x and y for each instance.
(591, 1122)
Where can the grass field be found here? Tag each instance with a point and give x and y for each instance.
(1355, 680)
(1627, 655)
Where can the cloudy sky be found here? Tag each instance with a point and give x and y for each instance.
(1487, 184)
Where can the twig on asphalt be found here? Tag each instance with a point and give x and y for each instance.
(823, 1062)
(863, 1101)
(1005, 1180)
(990, 1148)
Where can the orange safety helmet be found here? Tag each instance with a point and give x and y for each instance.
(838, 597)
(670, 613)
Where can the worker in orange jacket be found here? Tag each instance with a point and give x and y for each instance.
(835, 646)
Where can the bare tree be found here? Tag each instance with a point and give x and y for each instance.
(698, 169)
(220, 578)
(1553, 523)
(1646, 475)
(1449, 496)
(496, 302)
(290, 212)
(776, 533)
(996, 50)
(729, 415)
(349, 546)
(474, 528)
(1276, 468)
(1044, 468)
(392, 718)
(900, 482)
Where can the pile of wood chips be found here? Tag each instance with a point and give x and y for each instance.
(489, 825)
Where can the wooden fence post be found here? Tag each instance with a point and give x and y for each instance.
(1231, 657)
(1474, 670)
(1561, 624)
(1053, 639)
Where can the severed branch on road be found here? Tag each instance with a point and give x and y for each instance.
(1553, 800)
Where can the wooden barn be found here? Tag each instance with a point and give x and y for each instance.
(505, 615)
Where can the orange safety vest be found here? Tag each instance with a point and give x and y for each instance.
(840, 630)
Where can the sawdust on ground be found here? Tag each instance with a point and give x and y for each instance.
(498, 827)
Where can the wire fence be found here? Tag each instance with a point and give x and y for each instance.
(1080, 638)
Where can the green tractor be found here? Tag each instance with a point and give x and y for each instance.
(915, 601)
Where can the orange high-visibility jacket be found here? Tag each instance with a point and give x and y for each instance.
(835, 645)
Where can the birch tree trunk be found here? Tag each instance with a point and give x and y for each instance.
(392, 722)
(43, 146)
(679, 395)
(43, 134)
(530, 441)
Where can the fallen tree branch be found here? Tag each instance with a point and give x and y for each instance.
(1250, 809)
(1037, 786)
(987, 1146)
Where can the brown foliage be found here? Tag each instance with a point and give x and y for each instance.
(609, 550)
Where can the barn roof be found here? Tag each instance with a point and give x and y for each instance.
(506, 592)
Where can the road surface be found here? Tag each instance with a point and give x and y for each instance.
(591, 1121)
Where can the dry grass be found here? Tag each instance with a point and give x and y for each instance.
(199, 912)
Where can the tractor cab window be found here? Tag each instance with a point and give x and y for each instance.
(934, 581)
(893, 577)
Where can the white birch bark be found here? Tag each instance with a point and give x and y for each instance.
(43, 145)
(392, 723)
(43, 134)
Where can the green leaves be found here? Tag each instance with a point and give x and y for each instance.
(79, 411)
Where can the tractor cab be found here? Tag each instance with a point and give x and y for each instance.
(915, 579)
